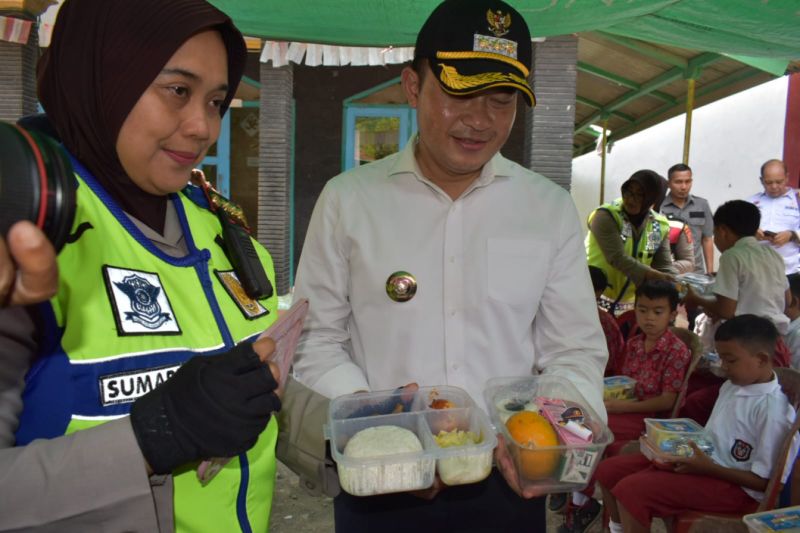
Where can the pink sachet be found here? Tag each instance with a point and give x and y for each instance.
(567, 418)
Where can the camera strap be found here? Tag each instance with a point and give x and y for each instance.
(236, 237)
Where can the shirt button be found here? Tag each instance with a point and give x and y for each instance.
(452, 259)
(453, 312)
(455, 367)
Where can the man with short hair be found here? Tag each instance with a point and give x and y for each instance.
(693, 210)
(447, 264)
(780, 214)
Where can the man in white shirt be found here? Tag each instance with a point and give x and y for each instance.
(780, 214)
(448, 264)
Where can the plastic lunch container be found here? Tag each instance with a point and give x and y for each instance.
(560, 468)
(699, 282)
(619, 387)
(784, 520)
(457, 464)
(662, 431)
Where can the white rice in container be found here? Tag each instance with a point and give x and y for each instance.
(381, 477)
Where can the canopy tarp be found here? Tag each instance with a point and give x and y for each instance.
(753, 28)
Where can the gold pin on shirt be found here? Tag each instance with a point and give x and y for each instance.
(401, 286)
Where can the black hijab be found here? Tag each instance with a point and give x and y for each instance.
(654, 187)
(102, 57)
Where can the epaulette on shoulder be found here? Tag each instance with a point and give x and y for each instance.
(200, 191)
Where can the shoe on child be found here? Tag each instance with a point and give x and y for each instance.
(579, 519)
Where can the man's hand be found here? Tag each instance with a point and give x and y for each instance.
(28, 269)
(505, 463)
(699, 463)
(760, 235)
(781, 238)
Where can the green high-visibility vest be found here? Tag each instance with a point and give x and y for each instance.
(125, 317)
(620, 289)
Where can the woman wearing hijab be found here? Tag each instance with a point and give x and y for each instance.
(629, 241)
(149, 318)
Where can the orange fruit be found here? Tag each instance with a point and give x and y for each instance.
(532, 430)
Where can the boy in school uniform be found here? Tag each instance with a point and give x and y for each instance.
(658, 360)
(750, 280)
(792, 337)
(747, 426)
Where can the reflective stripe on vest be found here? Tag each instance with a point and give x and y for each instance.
(655, 230)
(125, 317)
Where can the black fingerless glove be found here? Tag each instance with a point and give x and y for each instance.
(214, 406)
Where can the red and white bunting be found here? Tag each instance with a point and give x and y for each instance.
(15, 30)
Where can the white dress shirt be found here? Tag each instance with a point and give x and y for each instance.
(753, 275)
(781, 214)
(503, 285)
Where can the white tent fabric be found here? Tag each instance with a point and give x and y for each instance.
(281, 53)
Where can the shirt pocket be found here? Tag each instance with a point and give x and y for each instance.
(697, 218)
(517, 269)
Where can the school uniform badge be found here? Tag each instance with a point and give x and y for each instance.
(139, 303)
(741, 450)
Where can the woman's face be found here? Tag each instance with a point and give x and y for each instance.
(633, 198)
(176, 120)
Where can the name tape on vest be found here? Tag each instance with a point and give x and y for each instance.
(126, 387)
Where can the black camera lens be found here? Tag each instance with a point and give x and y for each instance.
(36, 183)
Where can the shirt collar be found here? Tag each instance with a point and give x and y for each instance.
(669, 200)
(789, 192)
(758, 389)
(172, 228)
(746, 241)
(406, 163)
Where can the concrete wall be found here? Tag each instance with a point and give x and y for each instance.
(731, 138)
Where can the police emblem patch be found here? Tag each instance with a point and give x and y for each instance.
(741, 450)
(139, 303)
(249, 307)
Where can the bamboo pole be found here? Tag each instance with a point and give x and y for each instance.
(603, 163)
(687, 132)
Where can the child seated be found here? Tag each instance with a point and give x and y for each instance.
(658, 360)
(750, 280)
(747, 426)
(792, 311)
(610, 327)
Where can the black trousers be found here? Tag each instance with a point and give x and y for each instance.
(485, 507)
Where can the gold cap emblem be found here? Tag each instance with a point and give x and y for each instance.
(498, 22)
(401, 286)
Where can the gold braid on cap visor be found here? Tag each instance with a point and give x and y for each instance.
(451, 78)
(485, 55)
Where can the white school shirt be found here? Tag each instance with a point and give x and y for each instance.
(753, 275)
(503, 284)
(781, 214)
(792, 340)
(748, 425)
